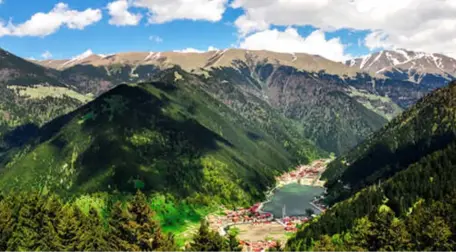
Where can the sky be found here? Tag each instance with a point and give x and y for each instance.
(335, 29)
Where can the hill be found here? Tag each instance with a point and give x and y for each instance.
(426, 127)
(30, 95)
(168, 136)
(398, 179)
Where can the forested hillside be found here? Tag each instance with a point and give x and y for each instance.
(168, 136)
(401, 197)
(413, 210)
(428, 126)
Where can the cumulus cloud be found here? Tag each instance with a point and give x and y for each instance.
(162, 11)
(43, 24)
(156, 39)
(426, 25)
(120, 15)
(46, 55)
(289, 41)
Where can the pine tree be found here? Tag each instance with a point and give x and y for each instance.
(134, 228)
(233, 243)
(121, 237)
(94, 236)
(207, 240)
(47, 218)
(26, 232)
(148, 234)
(8, 219)
(69, 227)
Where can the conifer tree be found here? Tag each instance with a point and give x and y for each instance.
(121, 235)
(26, 232)
(207, 240)
(8, 219)
(69, 227)
(233, 243)
(148, 234)
(93, 237)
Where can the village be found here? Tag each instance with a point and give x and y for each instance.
(305, 174)
(259, 230)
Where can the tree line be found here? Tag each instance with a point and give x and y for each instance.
(37, 222)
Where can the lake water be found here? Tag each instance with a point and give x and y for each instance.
(296, 199)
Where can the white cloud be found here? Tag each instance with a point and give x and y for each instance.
(46, 55)
(43, 24)
(156, 39)
(193, 50)
(426, 25)
(211, 48)
(120, 16)
(289, 41)
(162, 11)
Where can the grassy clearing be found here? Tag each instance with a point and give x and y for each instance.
(40, 92)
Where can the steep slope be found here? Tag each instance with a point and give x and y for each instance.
(411, 211)
(411, 160)
(426, 127)
(30, 94)
(332, 119)
(432, 70)
(168, 136)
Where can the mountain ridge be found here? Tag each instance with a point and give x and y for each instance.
(196, 60)
(419, 67)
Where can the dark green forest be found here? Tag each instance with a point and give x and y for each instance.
(44, 222)
(404, 204)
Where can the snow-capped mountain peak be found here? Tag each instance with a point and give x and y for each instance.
(405, 61)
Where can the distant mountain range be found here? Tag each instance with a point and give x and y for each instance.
(337, 105)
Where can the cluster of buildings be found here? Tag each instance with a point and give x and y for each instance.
(252, 214)
(292, 222)
(305, 174)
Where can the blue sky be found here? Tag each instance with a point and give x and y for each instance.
(274, 27)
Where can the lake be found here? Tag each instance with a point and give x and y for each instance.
(296, 199)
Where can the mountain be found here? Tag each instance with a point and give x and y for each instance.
(393, 187)
(168, 136)
(338, 106)
(30, 95)
(196, 61)
(314, 82)
(426, 127)
(432, 70)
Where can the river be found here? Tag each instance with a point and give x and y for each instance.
(295, 197)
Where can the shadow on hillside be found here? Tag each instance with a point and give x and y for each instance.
(382, 163)
(133, 140)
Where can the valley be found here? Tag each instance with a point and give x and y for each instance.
(272, 150)
(288, 205)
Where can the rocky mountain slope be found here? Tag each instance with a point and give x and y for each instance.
(399, 183)
(429, 69)
(167, 136)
